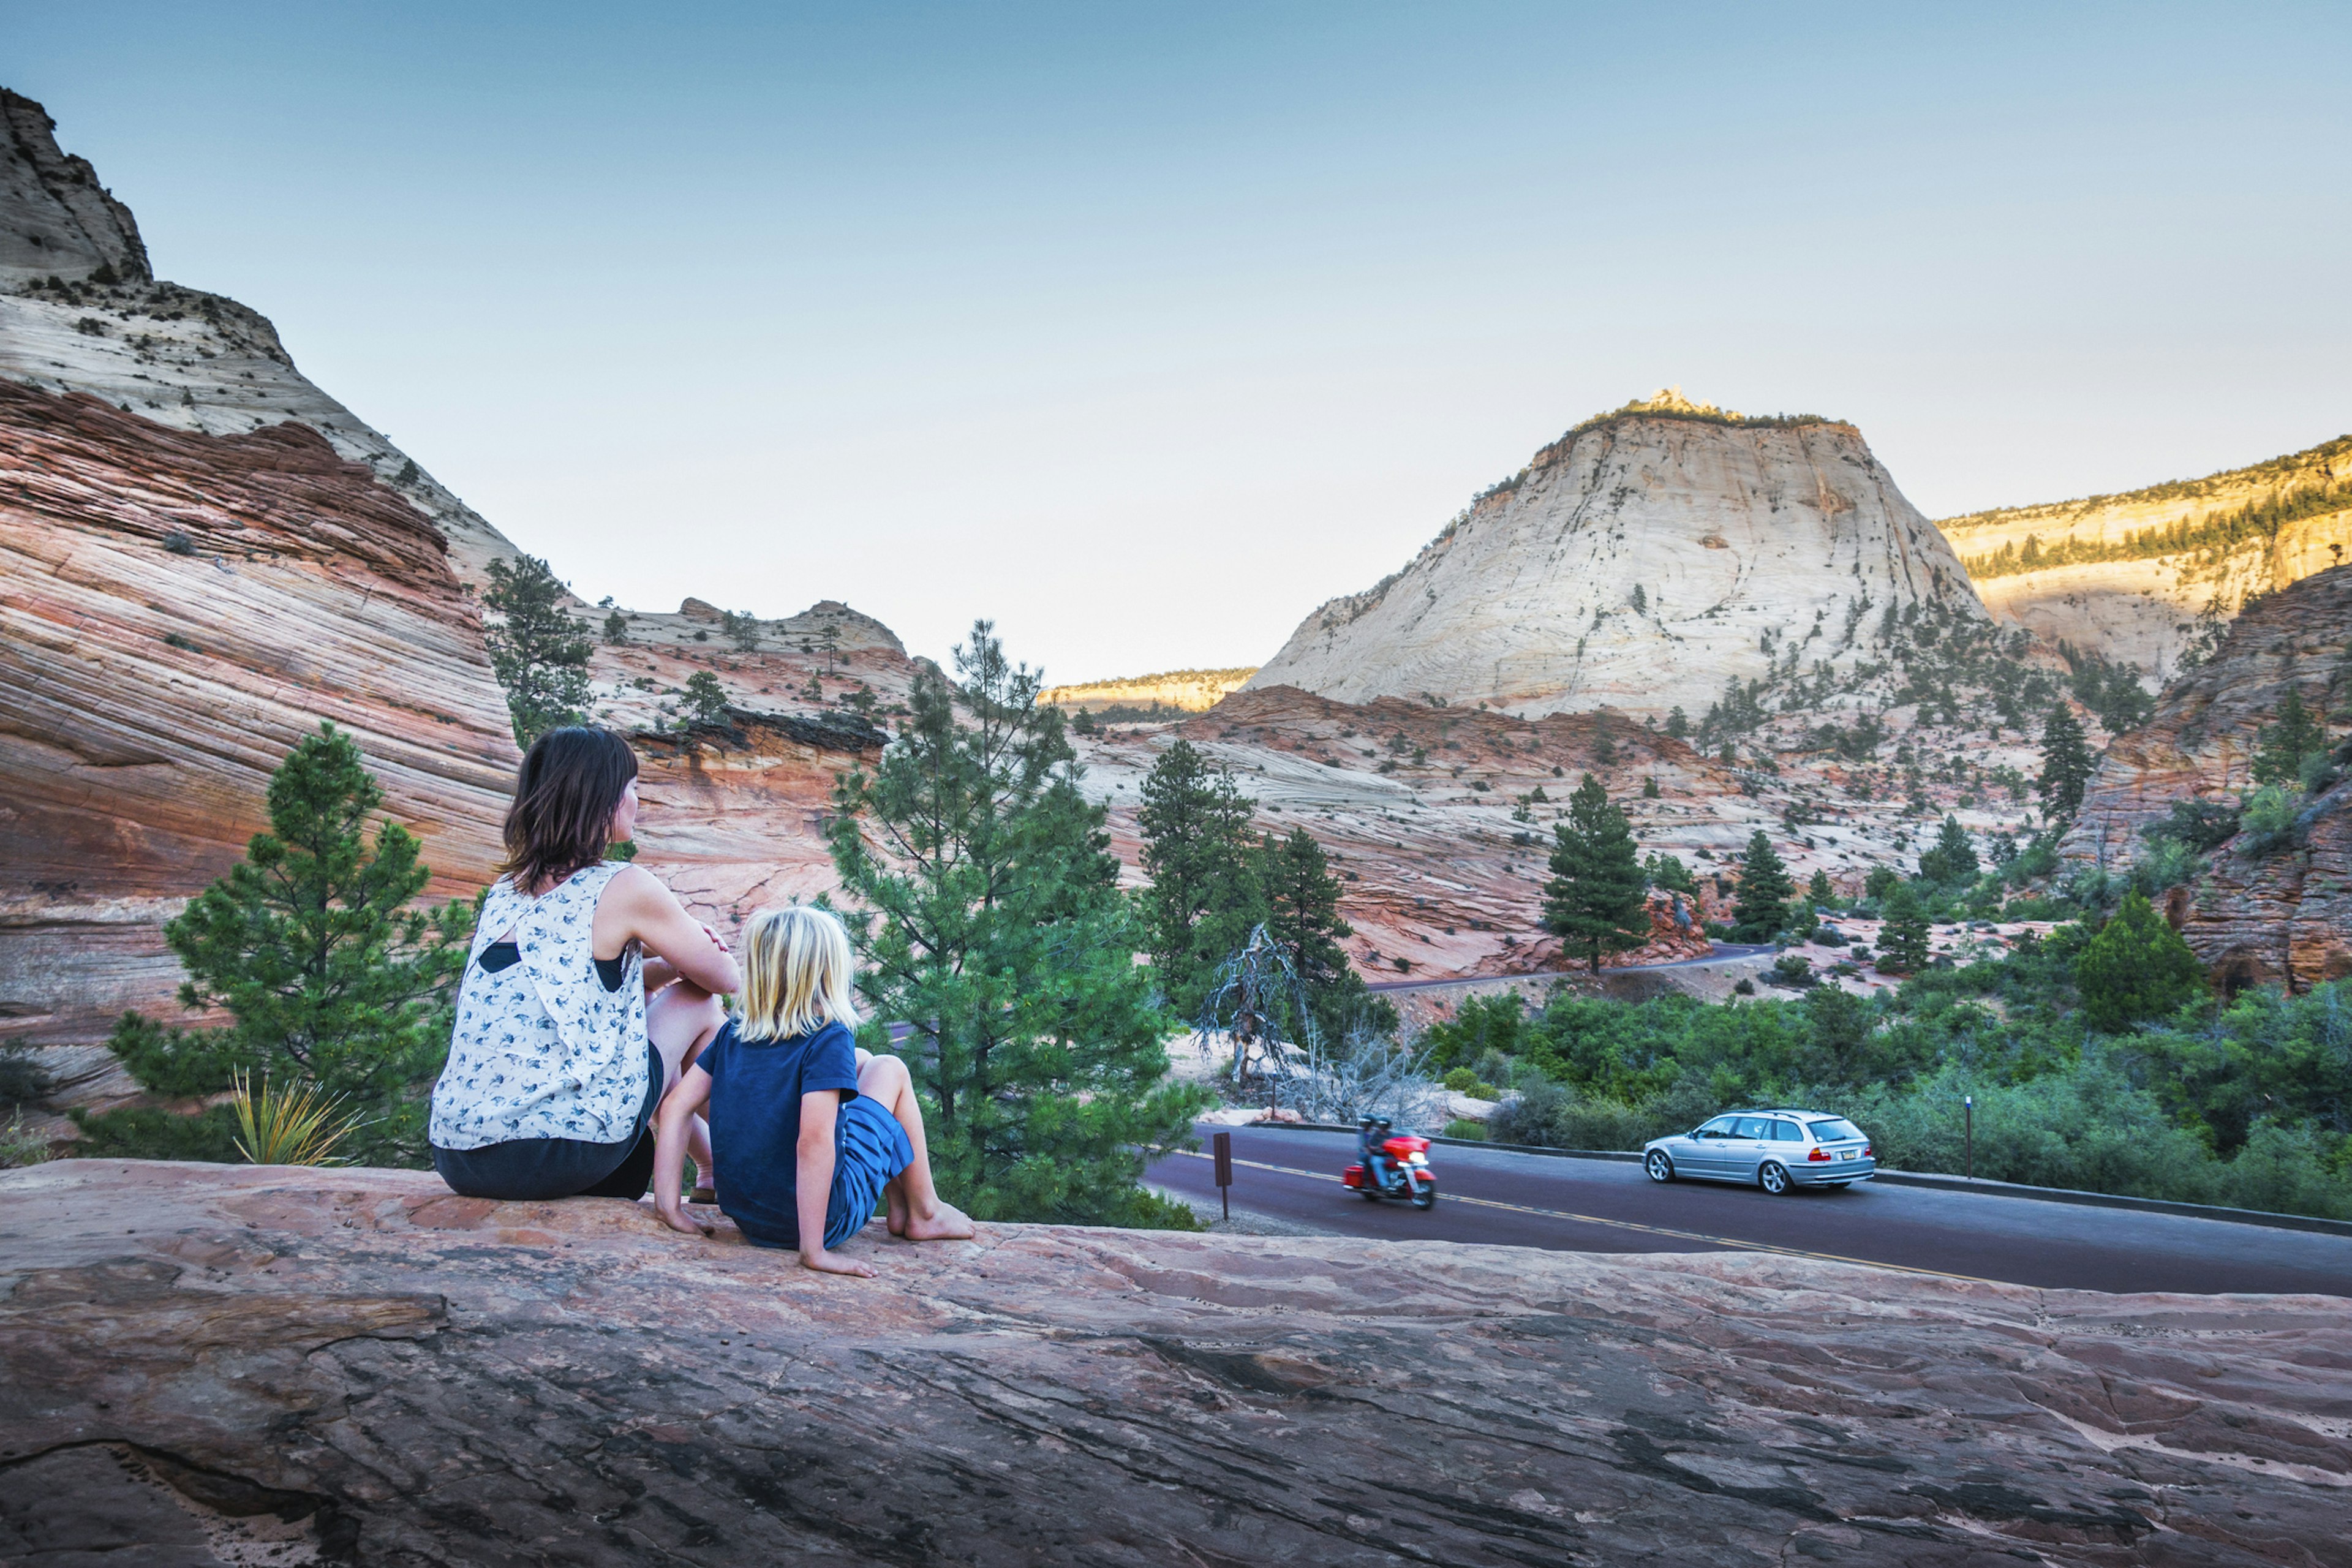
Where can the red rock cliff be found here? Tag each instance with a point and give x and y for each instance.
(180, 609)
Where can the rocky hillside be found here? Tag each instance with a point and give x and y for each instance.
(2148, 577)
(1191, 690)
(2256, 911)
(1637, 563)
(278, 1366)
(205, 556)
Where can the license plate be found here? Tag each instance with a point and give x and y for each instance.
(1848, 1154)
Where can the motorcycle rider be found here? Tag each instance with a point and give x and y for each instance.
(1371, 1148)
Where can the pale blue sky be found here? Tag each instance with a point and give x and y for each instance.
(1145, 329)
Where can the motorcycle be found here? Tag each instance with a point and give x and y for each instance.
(1407, 1174)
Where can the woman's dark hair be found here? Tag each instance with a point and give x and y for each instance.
(561, 818)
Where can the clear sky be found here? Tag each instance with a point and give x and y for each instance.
(1145, 329)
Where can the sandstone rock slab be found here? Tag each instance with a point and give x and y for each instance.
(214, 1363)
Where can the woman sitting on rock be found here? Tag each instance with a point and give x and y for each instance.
(552, 1076)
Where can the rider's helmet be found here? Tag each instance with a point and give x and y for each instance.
(1382, 1123)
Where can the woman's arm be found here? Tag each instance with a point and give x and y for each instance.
(670, 1129)
(636, 908)
(819, 1110)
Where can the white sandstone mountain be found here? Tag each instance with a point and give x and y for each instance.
(1639, 562)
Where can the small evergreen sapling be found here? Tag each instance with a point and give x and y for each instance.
(1205, 893)
(315, 946)
(1764, 892)
(2285, 743)
(536, 648)
(706, 700)
(1902, 941)
(2066, 763)
(1596, 901)
(1952, 859)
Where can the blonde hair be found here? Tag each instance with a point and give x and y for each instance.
(796, 974)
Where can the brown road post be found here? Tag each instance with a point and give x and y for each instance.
(1224, 1145)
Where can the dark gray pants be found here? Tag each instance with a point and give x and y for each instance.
(531, 1170)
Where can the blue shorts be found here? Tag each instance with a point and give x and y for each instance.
(869, 1148)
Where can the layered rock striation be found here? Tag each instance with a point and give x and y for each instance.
(271, 1365)
(2145, 577)
(181, 609)
(2283, 914)
(1637, 563)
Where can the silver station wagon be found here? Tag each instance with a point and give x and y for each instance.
(1775, 1150)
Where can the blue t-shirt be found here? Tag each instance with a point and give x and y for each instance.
(755, 1117)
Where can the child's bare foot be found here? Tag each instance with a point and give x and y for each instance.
(897, 1202)
(945, 1222)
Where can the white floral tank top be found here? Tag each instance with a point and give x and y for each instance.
(541, 1049)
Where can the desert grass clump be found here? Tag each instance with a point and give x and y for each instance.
(283, 1126)
(19, 1146)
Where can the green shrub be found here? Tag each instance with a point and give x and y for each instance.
(2266, 821)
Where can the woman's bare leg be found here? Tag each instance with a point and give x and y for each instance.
(681, 1018)
(916, 1210)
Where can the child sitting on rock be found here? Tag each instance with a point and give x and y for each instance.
(807, 1131)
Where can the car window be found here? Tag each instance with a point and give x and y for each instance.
(1835, 1129)
(1752, 1127)
(1786, 1132)
(1719, 1128)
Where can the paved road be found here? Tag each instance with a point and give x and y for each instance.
(1595, 1205)
(1722, 949)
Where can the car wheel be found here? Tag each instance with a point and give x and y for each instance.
(1773, 1178)
(1658, 1167)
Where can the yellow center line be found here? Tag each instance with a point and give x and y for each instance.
(1732, 1242)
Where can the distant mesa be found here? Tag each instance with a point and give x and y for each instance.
(1188, 690)
(2145, 577)
(1638, 563)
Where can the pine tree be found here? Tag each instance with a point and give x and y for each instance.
(314, 946)
(1596, 901)
(1902, 946)
(2285, 743)
(616, 628)
(2136, 968)
(1820, 892)
(1766, 890)
(1678, 724)
(1302, 918)
(742, 630)
(1204, 895)
(1952, 859)
(997, 924)
(2066, 763)
(536, 650)
(706, 700)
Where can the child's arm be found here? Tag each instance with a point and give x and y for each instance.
(693, 1091)
(819, 1110)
